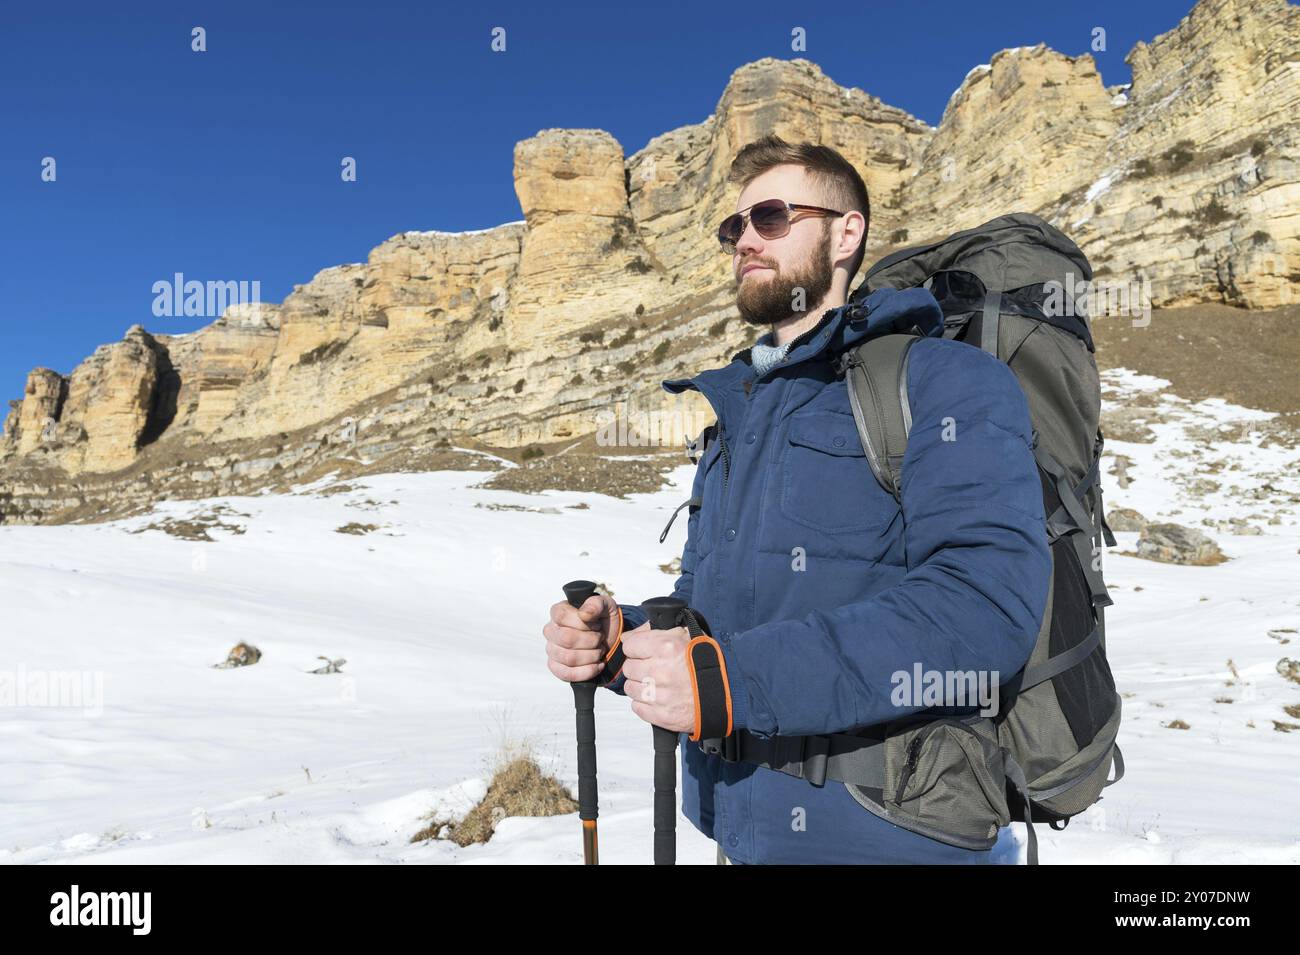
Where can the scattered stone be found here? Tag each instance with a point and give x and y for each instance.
(240, 655)
(1176, 725)
(1120, 470)
(1126, 519)
(673, 567)
(331, 666)
(1289, 669)
(1176, 544)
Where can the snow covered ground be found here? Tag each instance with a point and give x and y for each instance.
(438, 613)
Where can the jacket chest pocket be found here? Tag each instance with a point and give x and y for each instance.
(827, 483)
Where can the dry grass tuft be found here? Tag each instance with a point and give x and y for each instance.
(518, 788)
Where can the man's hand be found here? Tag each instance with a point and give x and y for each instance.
(579, 638)
(658, 677)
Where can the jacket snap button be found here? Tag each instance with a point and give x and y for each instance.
(749, 438)
(733, 840)
(731, 533)
(838, 442)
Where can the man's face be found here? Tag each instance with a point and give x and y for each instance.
(801, 259)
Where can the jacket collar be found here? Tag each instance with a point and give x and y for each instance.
(882, 312)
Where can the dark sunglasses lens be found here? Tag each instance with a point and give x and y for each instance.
(771, 221)
(730, 230)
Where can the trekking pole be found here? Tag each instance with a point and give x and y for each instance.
(664, 613)
(584, 703)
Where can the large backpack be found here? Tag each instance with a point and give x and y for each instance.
(1006, 287)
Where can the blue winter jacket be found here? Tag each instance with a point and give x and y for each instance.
(818, 590)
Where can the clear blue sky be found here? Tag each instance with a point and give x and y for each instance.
(224, 165)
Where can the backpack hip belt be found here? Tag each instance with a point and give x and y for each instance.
(841, 757)
(936, 775)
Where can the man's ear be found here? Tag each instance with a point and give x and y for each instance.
(855, 226)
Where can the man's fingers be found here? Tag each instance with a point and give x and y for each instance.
(590, 616)
(570, 638)
(575, 674)
(644, 643)
(644, 711)
(574, 658)
(566, 615)
(593, 609)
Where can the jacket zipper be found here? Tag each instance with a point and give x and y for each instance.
(726, 458)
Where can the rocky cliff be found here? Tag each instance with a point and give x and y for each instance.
(1189, 179)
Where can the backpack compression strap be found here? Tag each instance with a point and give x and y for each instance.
(884, 419)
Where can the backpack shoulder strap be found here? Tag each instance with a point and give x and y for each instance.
(876, 375)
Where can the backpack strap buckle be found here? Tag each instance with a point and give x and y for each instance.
(844, 361)
(728, 747)
(731, 747)
(816, 753)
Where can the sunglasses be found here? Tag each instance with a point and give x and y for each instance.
(771, 218)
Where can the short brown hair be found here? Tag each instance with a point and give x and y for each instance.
(840, 184)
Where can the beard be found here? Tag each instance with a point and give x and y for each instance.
(769, 300)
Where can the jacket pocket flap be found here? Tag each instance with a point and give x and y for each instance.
(832, 433)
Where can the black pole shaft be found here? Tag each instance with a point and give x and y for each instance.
(665, 796)
(584, 703)
(664, 613)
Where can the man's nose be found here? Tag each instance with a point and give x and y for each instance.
(749, 242)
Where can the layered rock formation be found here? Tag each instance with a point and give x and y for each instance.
(1188, 179)
(525, 333)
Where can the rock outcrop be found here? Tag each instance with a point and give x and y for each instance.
(1188, 180)
(95, 419)
(1020, 132)
(1200, 188)
(1176, 544)
(36, 416)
